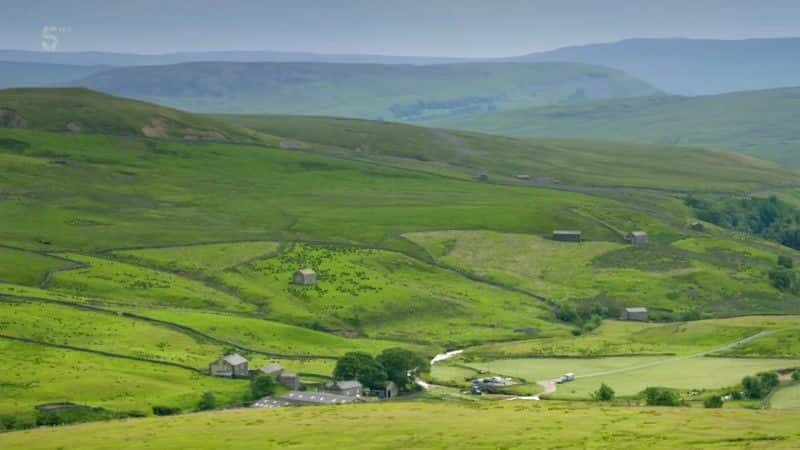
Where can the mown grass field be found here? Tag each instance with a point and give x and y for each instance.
(622, 338)
(511, 425)
(630, 375)
(787, 397)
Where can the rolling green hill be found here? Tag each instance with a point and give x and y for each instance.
(547, 163)
(129, 263)
(82, 110)
(758, 123)
(392, 92)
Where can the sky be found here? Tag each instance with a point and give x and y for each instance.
(465, 28)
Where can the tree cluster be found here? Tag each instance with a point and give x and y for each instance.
(393, 364)
(770, 218)
(759, 386)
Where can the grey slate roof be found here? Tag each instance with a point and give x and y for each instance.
(270, 369)
(307, 271)
(638, 233)
(566, 232)
(635, 310)
(234, 359)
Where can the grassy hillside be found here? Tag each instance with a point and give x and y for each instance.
(433, 425)
(699, 274)
(130, 263)
(546, 162)
(757, 123)
(82, 110)
(391, 92)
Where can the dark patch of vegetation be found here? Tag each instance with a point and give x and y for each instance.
(207, 402)
(14, 145)
(604, 393)
(759, 386)
(715, 401)
(659, 396)
(61, 414)
(769, 218)
(166, 410)
(262, 386)
(362, 367)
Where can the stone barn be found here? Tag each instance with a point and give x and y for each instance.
(637, 314)
(637, 238)
(567, 235)
(304, 277)
(697, 226)
(232, 366)
(289, 380)
(351, 388)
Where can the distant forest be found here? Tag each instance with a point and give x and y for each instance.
(769, 218)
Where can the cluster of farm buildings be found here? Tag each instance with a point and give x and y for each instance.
(235, 365)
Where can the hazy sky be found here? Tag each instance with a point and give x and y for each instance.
(392, 27)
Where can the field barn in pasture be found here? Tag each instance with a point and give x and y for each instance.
(233, 366)
(567, 235)
(637, 238)
(637, 314)
(304, 277)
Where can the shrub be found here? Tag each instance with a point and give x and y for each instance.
(262, 386)
(166, 410)
(796, 375)
(715, 401)
(658, 396)
(769, 380)
(785, 261)
(207, 402)
(604, 393)
(752, 387)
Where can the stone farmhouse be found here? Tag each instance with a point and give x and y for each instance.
(637, 314)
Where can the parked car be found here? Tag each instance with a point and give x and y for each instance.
(567, 377)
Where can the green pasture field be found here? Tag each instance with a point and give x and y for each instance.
(630, 375)
(269, 336)
(387, 295)
(432, 425)
(786, 397)
(781, 344)
(26, 268)
(128, 284)
(34, 374)
(707, 274)
(206, 259)
(64, 325)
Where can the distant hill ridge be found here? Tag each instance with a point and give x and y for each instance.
(759, 123)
